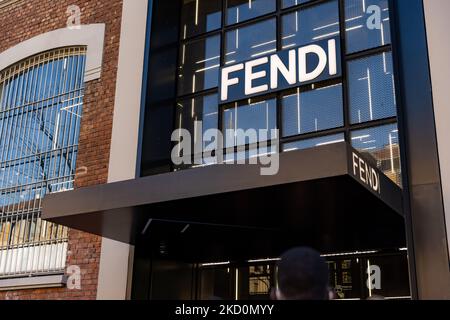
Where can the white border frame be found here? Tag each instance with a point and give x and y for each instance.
(91, 35)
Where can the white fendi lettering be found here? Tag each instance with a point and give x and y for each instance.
(291, 67)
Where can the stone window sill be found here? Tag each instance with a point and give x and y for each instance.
(38, 282)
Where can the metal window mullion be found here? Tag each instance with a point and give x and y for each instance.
(21, 130)
(2, 91)
(40, 137)
(18, 260)
(25, 168)
(42, 143)
(75, 99)
(39, 109)
(10, 173)
(79, 107)
(52, 161)
(4, 133)
(50, 157)
(51, 140)
(5, 88)
(13, 240)
(34, 210)
(67, 99)
(11, 121)
(27, 122)
(28, 174)
(68, 119)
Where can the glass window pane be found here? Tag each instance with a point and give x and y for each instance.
(291, 3)
(250, 153)
(241, 10)
(314, 142)
(203, 108)
(381, 144)
(251, 41)
(366, 24)
(311, 24)
(312, 110)
(249, 115)
(199, 65)
(200, 16)
(371, 88)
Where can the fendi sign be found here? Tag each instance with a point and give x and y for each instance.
(285, 69)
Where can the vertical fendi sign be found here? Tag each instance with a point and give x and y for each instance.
(294, 67)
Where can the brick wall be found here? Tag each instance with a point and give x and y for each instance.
(24, 19)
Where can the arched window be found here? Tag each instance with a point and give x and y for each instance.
(41, 100)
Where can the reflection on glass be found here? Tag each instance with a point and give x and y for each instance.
(216, 283)
(250, 115)
(381, 144)
(200, 16)
(252, 41)
(312, 110)
(366, 24)
(311, 24)
(204, 109)
(290, 3)
(314, 142)
(371, 88)
(251, 153)
(199, 65)
(241, 10)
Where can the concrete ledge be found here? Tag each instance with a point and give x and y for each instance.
(52, 281)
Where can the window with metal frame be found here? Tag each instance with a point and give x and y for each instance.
(41, 100)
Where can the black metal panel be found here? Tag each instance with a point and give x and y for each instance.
(429, 261)
(161, 88)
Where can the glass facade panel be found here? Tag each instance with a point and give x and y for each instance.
(309, 110)
(312, 110)
(199, 65)
(314, 142)
(311, 24)
(371, 88)
(41, 100)
(202, 108)
(200, 16)
(381, 144)
(250, 115)
(242, 10)
(251, 41)
(366, 24)
(291, 3)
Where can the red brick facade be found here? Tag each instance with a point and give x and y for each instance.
(24, 19)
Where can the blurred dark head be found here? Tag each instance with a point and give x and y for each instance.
(302, 275)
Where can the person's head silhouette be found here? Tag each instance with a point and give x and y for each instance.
(302, 275)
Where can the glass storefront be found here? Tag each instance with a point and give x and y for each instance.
(352, 276)
(359, 108)
(219, 33)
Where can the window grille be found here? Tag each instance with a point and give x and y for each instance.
(41, 101)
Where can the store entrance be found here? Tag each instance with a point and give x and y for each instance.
(352, 276)
(211, 262)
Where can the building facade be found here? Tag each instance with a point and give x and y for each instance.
(127, 120)
(54, 101)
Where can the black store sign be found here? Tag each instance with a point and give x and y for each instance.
(285, 69)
